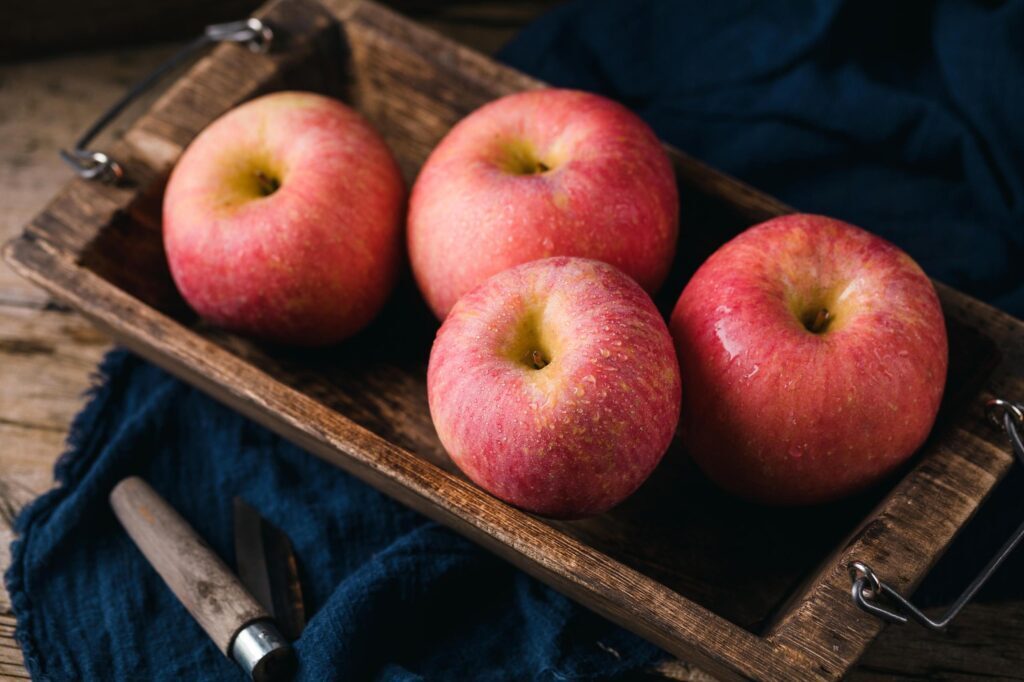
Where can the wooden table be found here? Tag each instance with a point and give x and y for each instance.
(48, 353)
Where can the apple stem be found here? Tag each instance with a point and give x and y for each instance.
(538, 360)
(821, 321)
(267, 184)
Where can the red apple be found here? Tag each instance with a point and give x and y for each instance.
(814, 355)
(537, 174)
(554, 386)
(283, 220)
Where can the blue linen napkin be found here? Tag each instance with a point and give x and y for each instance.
(906, 124)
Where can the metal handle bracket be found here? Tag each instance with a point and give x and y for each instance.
(90, 164)
(867, 588)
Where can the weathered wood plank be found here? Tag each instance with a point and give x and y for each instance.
(984, 642)
(11, 660)
(44, 105)
(67, 346)
(13, 667)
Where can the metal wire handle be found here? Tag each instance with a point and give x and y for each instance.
(91, 164)
(867, 587)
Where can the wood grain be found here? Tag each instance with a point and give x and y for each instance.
(47, 354)
(192, 570)
(44, 105)
(384, 395)
(985, 643)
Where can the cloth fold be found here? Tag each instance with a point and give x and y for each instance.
(903, 120)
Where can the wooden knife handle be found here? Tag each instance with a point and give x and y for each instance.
(196, 575)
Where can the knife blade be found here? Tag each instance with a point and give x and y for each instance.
(268, 568)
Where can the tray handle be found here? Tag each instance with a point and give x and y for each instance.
(867, 587)
(96, 165)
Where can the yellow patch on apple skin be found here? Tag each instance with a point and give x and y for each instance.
(560, 199)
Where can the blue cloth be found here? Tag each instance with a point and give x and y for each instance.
(391, 595)
(910, 126)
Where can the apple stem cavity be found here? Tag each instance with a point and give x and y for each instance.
(266, 184)
(820, 322)
(520, 158)
(538, 360)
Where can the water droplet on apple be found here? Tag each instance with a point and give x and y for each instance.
(577, 391)
(548, 244)
(590, 378)
(796, 452)
(605, 352)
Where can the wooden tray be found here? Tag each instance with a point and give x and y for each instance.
(738, 590)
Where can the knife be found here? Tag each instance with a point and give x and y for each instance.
(239, 626)
(267, 567)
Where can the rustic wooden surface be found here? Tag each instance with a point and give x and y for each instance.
(48, 353)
